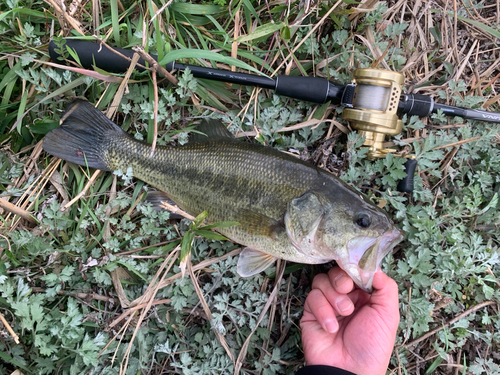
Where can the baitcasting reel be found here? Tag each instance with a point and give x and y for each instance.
(373, 112)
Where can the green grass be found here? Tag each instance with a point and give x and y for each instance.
(67, 280)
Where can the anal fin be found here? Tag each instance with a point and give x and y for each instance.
(252, 262)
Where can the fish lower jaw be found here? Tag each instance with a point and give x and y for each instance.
(363, 279)
(365, 254)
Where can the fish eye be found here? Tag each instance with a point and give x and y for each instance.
(362, 219)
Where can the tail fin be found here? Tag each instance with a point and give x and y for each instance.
(81, 138)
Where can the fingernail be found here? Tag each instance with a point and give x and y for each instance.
(343, 305)
(339, 280)
(331, 326)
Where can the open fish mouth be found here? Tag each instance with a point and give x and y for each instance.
(365, 255)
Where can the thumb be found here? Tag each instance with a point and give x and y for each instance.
(385, 294)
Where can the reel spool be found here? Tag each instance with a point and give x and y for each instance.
(374, 108)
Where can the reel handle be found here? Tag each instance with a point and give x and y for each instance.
(406, 184)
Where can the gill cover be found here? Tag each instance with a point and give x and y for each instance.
(302, 220)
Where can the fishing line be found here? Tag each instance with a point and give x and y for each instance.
(372, 97)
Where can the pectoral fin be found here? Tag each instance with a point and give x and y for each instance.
(251, 262)
(258, 224)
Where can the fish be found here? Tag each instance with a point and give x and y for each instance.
(286, 208)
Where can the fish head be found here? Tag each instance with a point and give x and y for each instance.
(351, 231)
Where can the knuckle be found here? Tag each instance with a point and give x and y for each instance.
(319, 281)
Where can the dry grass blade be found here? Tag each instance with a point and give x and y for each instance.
(109, 210)
(148, 298)
(57, 182)
(206, 309)
(154, 65)
(136, 308)
(60, 10)
(465, 61)
(14, 335)
(84, 190)
(490, 272)
(163, 283)
(7, 206)
(201, 265)
(155, 114)
(120, 332)
(363, 8)
(155, 286)
(29, 197)
(313, 123)
(234, 45)
(272, 313)
(160, 11)
(447, 324)
(121, 89)
(84, 296)
(176, 210)
(115, 277)
(320, 23)
(378, 55)
(8, 245)
(464, 141)
(244, 348)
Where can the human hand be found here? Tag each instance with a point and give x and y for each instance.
(348, 328)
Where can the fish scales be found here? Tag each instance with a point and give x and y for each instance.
(225, 178)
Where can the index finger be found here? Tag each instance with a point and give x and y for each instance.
(339, 301)
(340, 281)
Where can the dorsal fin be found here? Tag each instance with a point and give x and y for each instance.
(212, 130)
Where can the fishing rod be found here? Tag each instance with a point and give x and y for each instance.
(373, 101)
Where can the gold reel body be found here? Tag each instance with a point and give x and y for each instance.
(375, 106)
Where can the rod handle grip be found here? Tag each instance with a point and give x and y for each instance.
(90, 54)
(310, 89)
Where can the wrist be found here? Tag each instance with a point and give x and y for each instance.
(322, 370)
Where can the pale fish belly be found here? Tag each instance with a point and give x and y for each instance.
(278, 246)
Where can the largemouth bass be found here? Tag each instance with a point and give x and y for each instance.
(286, 208)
